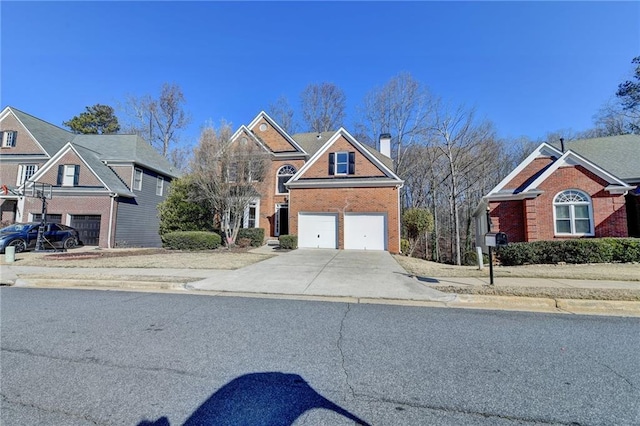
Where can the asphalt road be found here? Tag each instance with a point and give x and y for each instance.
(123, 358)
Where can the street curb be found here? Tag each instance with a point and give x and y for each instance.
(600, 307)
(106, 284)
(460, 301)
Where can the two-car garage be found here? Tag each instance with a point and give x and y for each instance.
(362, 231)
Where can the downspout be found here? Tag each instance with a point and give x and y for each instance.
(399, 187)
(113, 197)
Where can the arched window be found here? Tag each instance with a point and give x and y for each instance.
(573, 213)
(284, 174)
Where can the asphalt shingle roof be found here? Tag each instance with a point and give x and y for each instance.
(619, 155)
(98, 149)
(126, 148)
(51, 138)
(108, 176)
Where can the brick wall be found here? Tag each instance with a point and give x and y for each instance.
(269, 198)
(508, 217)
(609, 212)
(364, 167)
(125, 173)
(345, 200)
(86, 177)
(25, 144)
(74, 205)
(528, 173)
(272, 137)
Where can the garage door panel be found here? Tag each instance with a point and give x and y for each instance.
(365, 232)
(317, 230)
(88, 227)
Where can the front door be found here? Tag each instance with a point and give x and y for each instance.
(282, 220)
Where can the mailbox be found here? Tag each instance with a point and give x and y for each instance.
(495, 239)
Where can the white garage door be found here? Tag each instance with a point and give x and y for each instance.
(317, 230)
(364, 232)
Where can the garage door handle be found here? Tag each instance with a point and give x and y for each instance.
(318, 235)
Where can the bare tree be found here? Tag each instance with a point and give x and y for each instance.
(229, 175)
(323, 107)
(158, 121)
(402, 108)
(282, 113)
(462, 141)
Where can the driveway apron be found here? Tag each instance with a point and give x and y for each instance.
(326, 272)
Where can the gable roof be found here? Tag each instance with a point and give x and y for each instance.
(51, 138)
(543, 150)
(91, 159)
(390, 176)
(265, 116)
(115, 148)
(572, 158)
(245, 130)
(619, 155)
(312, 142)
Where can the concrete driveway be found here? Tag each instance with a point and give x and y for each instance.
(326, 272)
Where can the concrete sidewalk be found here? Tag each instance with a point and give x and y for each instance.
(347, 276)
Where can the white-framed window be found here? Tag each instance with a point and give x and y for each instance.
(284, 174)
(251, 212)
(137, 179)
(68, 174)
(342, 163)
(9, 138)
(573, 213)
(25, 171)
(159, 185)
(67, 179)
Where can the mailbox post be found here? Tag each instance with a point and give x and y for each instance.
(493, 239)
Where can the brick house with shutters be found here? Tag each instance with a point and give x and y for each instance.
(106, 186)
(327, 188)
(579, 189)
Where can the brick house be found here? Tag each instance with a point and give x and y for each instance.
(106, 186)
(589, 189)
(327, 188)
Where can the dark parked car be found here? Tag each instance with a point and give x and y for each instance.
(23, 236)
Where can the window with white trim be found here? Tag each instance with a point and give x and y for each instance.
(250, 219)
(159, 185)
(573, 213)
(342, 163)
(284, 174)
(9, 138)
(68, 174)
(137, 179)
(25, 171)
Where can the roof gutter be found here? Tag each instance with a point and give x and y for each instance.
(482, 206)
(345, 183)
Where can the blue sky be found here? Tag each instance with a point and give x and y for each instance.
(530, 67)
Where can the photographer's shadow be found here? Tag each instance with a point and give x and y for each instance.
(274, 399)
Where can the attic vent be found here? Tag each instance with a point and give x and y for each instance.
(318, 136)
(263, 127)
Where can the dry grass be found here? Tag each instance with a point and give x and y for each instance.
(546, 292)
(599, 271)
(141, 258)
